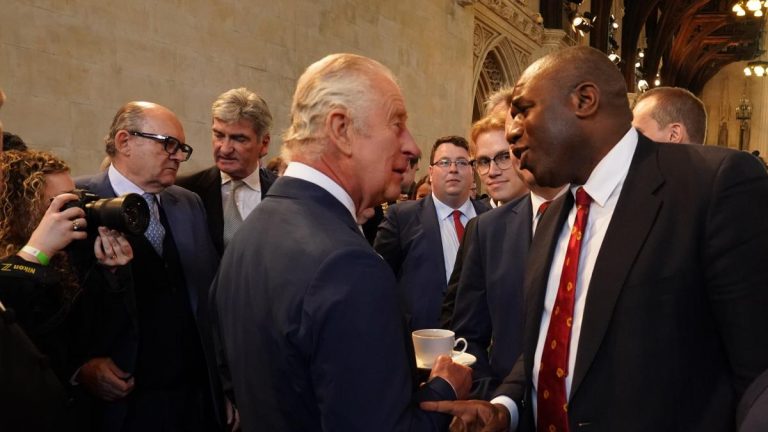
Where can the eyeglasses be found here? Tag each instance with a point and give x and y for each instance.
(483, 164)
(170, 144)
(446, 163)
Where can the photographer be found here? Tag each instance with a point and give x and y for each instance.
(49, 289)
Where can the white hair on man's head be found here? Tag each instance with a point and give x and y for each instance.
(336, 81)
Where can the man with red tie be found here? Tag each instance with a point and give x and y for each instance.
(646, 284)
(419, 239)
(484, 302)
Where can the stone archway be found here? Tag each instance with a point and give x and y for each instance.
(507, 37)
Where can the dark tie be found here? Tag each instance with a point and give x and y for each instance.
(155, 232)
(232, 218)
(458, 225)
(551, 396)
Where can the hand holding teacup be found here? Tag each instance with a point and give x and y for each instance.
(432, 343)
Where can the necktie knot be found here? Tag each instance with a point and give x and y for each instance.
(582, 197)
(543, 207)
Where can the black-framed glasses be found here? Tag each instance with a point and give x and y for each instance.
(170, 144)
(446, 163)
(503, 160)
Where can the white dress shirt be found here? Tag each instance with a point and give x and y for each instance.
(536, 201)
(247, 197)
(121, 185)
(448, 233)
(604, 186)
(307, 173)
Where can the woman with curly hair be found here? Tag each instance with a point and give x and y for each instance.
(38, 278)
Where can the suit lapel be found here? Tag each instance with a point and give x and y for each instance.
(632, 220)
(178, 217)
(432, 237)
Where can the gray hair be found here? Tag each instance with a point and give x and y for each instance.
(242, 104)
(336, 81)
(129, 117)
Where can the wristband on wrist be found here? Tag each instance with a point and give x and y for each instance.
(42, 258)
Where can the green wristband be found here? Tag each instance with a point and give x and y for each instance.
(42, 258)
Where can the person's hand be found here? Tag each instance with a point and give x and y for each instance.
(472, 415)
(103, 378)
(58, 228)
(112, 248)
(459, 376)
(233, 416)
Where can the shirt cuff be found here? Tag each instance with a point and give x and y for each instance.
(511, 406)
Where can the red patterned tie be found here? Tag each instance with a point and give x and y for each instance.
(458, 225)
(552, 414)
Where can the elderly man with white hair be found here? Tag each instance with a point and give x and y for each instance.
(308, 316)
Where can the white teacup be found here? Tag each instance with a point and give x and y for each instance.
(429, 344)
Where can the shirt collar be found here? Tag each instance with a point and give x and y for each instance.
(307, 173)
(611, 170)
(121, 185)
(444, 210)
(253, 181)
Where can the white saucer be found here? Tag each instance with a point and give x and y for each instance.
(462, 358)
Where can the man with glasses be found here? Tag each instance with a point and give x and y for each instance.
(237, 183)
(419, 239)
(149, 346)
(484, 302)
(493, 161)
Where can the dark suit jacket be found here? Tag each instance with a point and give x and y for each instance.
(186, 219)
(409, 240)
(310, 324)
(484, 302)
(207, 184)
(675, 320)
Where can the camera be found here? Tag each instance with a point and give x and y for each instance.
(128, 213)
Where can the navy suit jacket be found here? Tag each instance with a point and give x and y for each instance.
(675, 321)
(484, 303)
(186, 219)
(310, 325)
(409, 240)
(207, 184)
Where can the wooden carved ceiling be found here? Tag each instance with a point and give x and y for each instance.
(691, 39)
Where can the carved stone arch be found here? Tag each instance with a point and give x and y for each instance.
(501, 66)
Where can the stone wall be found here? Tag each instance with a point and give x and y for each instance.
(721, 96)
(67, 65)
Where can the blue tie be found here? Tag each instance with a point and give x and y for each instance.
(155, 232)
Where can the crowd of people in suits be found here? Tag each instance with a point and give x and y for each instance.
(611, 279)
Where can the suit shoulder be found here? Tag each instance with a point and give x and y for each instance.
(198, 179)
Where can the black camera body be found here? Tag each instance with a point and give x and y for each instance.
(128, 214)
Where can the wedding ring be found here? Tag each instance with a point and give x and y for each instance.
(75, 226)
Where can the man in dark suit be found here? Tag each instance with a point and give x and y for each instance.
(419, 239)
(658, 323)
(308, 316)
(484, 302)
(236, 184)
(152, 353)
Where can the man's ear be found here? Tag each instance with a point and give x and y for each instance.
(339, 127)
(265, 144)
(676, 132)
(586, 99)
(121, 142)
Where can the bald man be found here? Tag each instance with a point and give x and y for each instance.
(645, 300)
(151, 362)
(670, 114)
